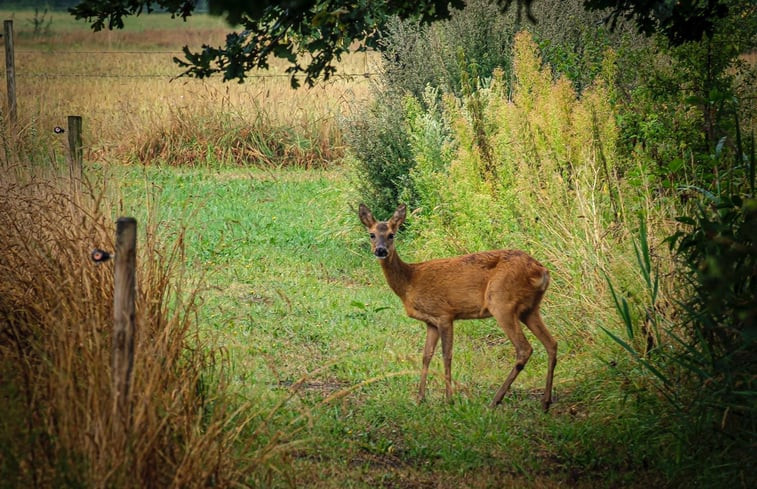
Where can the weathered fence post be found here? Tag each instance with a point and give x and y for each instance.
(10, 71)
(75, 152)
(124, 316)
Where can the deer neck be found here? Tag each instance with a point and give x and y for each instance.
(397, 273)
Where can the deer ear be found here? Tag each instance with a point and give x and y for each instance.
(399, 216)
(365, 216)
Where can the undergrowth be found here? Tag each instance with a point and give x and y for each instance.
(187, 428)
(204, 138)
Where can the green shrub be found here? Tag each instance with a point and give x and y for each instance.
(718, 247)
(381, 156)
(687, 101)
(415, 57)
(702, 358)
(574, 43)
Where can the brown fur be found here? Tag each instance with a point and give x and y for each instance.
(506, 284)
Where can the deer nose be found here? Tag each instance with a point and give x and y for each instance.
(381, 252)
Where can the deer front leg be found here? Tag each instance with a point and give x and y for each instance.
(447, 338)
(432, 338)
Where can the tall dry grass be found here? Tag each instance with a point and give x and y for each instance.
(58, 428)
(123, 85)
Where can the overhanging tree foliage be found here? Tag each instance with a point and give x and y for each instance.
(311, 35)
(680, 21)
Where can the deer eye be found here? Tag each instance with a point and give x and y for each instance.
(373, 236)
(391, 236)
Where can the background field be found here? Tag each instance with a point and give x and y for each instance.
(250, 181)
(123, 83)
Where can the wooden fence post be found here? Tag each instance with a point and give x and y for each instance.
(124, 316)
(75, 152)
(10, 71)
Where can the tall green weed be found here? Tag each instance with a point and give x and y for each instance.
(529, 165)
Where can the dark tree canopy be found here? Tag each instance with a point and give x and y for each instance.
(680, 21)
(311, 35)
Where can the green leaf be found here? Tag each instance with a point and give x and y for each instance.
(622, 343)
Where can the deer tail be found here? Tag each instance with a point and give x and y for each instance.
(542, 282)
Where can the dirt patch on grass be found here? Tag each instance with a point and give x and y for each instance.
(315, 386)
(392, 472)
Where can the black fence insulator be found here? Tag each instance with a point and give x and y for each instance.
(99, 256)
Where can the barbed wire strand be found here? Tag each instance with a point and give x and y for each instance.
(172, 76)
(149, 76)
(68, 51)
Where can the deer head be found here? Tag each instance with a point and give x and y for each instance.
(382, 232)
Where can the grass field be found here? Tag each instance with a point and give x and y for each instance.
(294, 296)
(249, 177)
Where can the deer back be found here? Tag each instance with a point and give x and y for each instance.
(463, 287)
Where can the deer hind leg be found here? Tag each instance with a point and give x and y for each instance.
(535, 323)
(508, 321)
(432, 338)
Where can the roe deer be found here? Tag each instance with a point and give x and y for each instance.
(506, 284)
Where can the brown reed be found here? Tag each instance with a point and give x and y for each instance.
(56, 312)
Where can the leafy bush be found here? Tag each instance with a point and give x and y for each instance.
(688, 99)
(415, 57)
(575, 42)
(703, 360)
(380, 154)
(718, 247)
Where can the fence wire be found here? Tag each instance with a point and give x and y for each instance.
(169, 76)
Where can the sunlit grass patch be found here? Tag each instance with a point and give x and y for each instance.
(293, 293)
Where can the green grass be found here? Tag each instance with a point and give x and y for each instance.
(293, 294)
